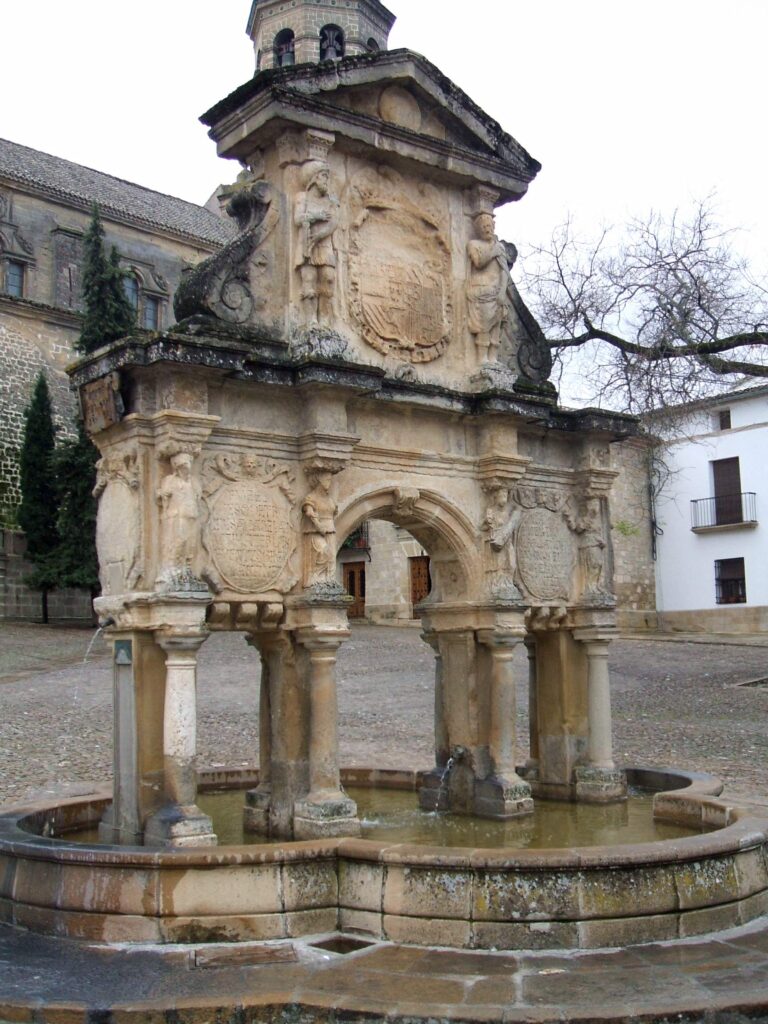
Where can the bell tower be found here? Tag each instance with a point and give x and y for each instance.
(287, 32)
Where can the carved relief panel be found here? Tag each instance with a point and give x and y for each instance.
(250, 532)
(399, 266)
(546, 553)
(118, 521)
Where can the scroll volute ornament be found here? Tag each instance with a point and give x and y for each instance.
(232, 286)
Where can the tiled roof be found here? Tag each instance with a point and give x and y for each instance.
(114, 196)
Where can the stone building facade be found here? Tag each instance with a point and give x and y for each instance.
(45, 208)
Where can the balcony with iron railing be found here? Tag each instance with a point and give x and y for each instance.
(724, 511)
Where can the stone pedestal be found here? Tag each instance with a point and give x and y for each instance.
(180, 822)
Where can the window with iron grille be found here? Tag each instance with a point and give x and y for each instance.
(730, 581)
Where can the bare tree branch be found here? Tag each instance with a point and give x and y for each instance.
(662, 313)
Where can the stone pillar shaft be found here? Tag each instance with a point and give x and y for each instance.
(533, 705)
(503, 705)
(600, 747)
(180, 720)
(324, 776)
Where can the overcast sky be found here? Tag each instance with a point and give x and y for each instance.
(627, 106)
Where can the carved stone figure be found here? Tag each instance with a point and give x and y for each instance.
(592, 545)
(500, 524)
(316, 216)
(319, 528)
(487, 306)
(230, 286)
(118, 522)
(180, 524)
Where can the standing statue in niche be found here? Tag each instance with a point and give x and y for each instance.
(180, 534)
(592, 546)
(317, 217)
(500, 524)
(319, 528)
(487, 305)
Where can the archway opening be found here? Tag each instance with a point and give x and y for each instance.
(386, 571)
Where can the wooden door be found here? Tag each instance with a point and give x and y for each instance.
(421, 581)
(354, 584)
(727, 486)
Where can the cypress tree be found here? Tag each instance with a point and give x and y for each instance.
(75, 562)
(108, 313)
(37, 512)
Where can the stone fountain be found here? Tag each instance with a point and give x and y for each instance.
(359, 351)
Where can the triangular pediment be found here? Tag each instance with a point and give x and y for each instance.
(388, 99)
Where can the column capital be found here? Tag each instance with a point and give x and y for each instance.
(326, 640)
(174, 641)
(507, 638)
(595, 636)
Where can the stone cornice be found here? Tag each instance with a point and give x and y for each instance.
(30, 310)
(262, 361)
(392, 65)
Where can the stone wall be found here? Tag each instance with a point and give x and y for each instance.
(634, 566)
(22, 357)
(18, 601)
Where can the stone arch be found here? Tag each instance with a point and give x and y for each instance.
(445, 532)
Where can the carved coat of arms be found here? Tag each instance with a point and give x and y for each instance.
(399, 272)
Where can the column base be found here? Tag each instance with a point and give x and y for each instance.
(494, 797)
(502, 798)
(179, 825)
(116, 835)
(323, 819)
(600, 785)
(256, 811)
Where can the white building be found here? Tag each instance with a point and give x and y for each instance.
(712, 566)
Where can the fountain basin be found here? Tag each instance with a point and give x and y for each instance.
(580, 897)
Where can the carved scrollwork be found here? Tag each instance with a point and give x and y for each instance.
(223, 286)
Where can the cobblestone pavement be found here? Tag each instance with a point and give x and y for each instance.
(675, 704)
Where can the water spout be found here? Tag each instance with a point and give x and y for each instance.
(102, 626)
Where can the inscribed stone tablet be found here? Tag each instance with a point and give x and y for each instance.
(545, 555)
(249, 535)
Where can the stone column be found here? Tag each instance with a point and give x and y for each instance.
(258, 800)
(326, 810)
(180, 822)
(442, 752)
(598, 780)
(504, 794)
(532, 764)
